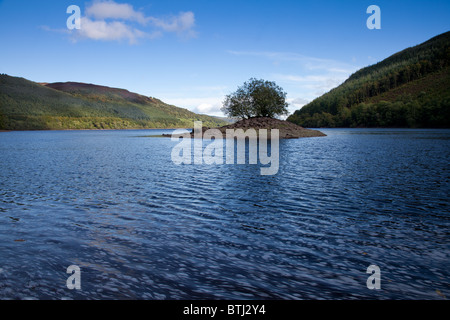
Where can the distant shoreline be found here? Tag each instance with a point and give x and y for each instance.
(182, 128)
(125, 129)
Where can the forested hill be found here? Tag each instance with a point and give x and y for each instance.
(27, 105)
(409, 89)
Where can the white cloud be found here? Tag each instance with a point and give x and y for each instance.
(299, 101)
(295, 104)
(112, 21)
(311, 86)
(109, 31)
(205, 108)
(112, 10)
(209, 105)
(312, 77)
(181, 24)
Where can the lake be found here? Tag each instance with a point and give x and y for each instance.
(140, 227)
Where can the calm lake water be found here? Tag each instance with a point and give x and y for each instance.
(140, 227)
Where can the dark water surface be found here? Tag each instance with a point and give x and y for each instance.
(140, 227)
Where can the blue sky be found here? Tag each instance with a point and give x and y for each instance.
(192, 53)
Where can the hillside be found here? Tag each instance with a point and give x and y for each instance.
(27, 105)
(409, 89)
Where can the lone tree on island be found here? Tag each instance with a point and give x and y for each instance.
(256, 98)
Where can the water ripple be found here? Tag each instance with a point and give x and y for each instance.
(140, 227)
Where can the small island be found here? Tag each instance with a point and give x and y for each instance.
(287, 130)
(257, 103)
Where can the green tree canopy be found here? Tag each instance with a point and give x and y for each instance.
(256, 98)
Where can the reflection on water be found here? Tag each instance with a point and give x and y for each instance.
(113, 203)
